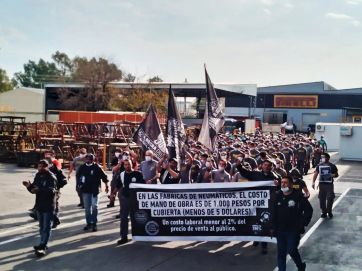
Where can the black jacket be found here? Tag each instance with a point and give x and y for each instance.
(90, 178)
(45, 197)
(128, 178)
(291, 212)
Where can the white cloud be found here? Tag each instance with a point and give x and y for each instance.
(356, 22)
(338, 16)
(267, 11)
(267, 2)
(343, 17)
(354, 2)
(289, 5)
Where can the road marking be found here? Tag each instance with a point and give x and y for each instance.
(63, 225)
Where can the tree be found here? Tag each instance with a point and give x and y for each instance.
(155, 79)
(95, 74)
(5, 83)
(129, 77)
(64, 64)
(138, 99)
(35, 74)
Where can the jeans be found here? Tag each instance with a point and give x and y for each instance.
(124, 213)
(90, 208)
(287, 243)
(45, 220)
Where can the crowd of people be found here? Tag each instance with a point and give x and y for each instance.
(239, 157)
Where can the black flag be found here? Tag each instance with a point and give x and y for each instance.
(176, 135)
(213, 118)
(149, 135)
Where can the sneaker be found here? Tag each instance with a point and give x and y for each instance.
(80, 205)
(122, 241)
(37, 247)
(87, 228)
(118, 216)
(330, 215)
(94, 228)
(323, 215)
(302, 268)
(110, 205)
(40, 252)
(40, 247)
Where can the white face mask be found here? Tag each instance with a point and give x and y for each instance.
(117, 154)
(221, 168)
(240, 159)
(148, 158)
(207, 164)
(124, 157)
(285, 189)
(223, 157)
(247, 156)
(323, 160)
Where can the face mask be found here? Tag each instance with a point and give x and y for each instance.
(82, 155)
(323, 160)
(246, 156)
(148, 158)
(207, 164)
(240, 159)
(117, 154)
(124, 157)
(223, 157)
(221, 168)
(285, 189)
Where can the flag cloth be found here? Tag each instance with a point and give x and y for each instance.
(213, 119)
(176, 135)
(149, 134)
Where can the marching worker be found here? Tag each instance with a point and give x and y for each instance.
(326, 171)
(220, 175)
(148, 168)
(127, 177)
(90, 175)
(292, 212)
(75, 165)
(44, 188)
(265, 174)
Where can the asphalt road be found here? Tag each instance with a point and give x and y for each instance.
(72, 249)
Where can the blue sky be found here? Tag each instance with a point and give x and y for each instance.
(266, 42)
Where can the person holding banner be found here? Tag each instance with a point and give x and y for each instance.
(126, 177)
(292, 212)
(265, 174)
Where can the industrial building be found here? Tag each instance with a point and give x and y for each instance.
(23, 102)
(303, 104)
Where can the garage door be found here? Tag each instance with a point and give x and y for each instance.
(308, 118)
